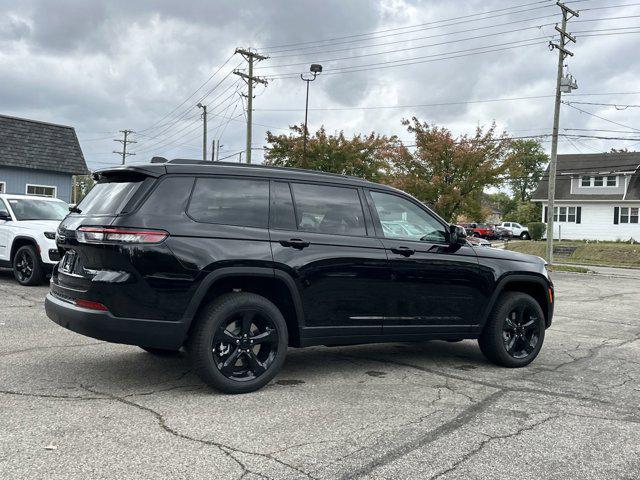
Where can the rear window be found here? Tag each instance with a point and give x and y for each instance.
(230, 201)
(109, 196)
(328, 209)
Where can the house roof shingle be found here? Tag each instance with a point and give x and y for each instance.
(38, 145)
(569, 166)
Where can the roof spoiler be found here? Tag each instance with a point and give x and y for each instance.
(123, 169)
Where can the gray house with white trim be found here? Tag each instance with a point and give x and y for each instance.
(597, 196)
(38, 158)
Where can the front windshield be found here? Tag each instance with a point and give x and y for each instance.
(35, 209)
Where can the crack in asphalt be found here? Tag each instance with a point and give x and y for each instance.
(229, 451)
(426, 438)
(483, 443)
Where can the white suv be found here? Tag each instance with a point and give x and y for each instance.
(517, 229)
(28, 227)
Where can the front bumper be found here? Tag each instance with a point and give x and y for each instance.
(105, 326)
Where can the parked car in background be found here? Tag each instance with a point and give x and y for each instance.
(503, 233)
(517, 230)
(28, 227)
(476, 241)
(239, 262)
(481, 230)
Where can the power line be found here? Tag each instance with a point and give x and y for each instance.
(192, 94)
(272, 49)
(418, 60)
(446, 34)
(196, 122)
(601, 118)
(406, 49)
(440, 104)
(169, 125)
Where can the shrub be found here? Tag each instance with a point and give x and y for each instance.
(536, 230)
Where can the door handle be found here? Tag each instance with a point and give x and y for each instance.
(405, 251)
(295, 243)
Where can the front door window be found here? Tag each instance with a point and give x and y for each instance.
(402, 219)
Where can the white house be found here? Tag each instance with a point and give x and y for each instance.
(597, 196)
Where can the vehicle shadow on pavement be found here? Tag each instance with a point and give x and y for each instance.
(131, 370)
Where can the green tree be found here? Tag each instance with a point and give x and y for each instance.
(450, 173)
(528, 212)
(527, 161)
(362, 156)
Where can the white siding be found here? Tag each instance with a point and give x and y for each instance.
(597, 223)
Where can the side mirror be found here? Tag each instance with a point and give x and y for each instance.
(457, 235)
(5, 216)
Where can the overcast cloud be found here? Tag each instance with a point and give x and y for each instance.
(106, 66)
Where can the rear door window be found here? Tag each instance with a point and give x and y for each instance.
(328, 209)
(110, 195)
(230, 201)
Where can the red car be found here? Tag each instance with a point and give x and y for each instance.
(481, 230)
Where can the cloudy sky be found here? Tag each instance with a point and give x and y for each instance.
(144, 65)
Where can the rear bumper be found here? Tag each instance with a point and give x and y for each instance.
(105, 326)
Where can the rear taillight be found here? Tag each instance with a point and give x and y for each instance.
(91, 305)
(119, 235)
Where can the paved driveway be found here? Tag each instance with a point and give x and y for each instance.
(73, 407)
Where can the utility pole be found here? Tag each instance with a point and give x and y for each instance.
(125, 141)
(204, 131)
(250, 57)
(563, 53)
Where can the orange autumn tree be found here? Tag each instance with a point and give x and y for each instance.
(364, 156)
(450, 173)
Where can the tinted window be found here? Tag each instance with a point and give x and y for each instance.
(3, 208)
(282, 214)
(401, 218)
(109, 196)
(230, 201)
(325, 209)
(169, 198)
(28, 209)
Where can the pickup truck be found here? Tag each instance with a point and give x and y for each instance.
(517, 229)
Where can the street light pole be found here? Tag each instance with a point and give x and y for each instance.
(204, 131)
(315, 70)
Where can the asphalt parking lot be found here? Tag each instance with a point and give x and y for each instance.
(73, 407)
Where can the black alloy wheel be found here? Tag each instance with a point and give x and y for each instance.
(27, 268)
(239, 342)
(245, 345)
(521, 331)
(514, 332)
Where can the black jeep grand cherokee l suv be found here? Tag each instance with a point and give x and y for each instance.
(237, 263)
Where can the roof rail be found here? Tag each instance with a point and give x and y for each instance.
(186, 161)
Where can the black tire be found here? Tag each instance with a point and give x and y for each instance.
(27, 267)
(525, 236)
(223, 337)
(498, 333)
(160, 352)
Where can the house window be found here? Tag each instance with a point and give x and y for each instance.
(599, 181)
(41, 190)
(629, 214)
(565, 214)
(3, 187)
